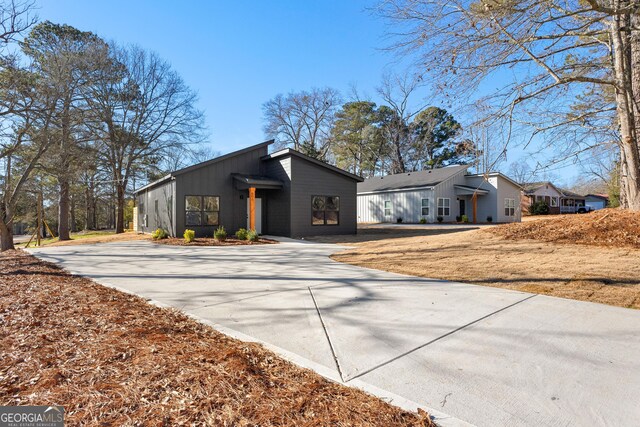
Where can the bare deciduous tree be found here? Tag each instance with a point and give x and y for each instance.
(144, 110)
(541, 55)
(302, 120)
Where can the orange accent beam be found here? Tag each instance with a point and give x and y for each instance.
(252, 208)
(475, 207)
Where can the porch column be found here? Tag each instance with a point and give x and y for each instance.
(252, 208)
(474, 199)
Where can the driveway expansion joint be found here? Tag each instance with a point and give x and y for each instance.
(326, 334)
(413, 350)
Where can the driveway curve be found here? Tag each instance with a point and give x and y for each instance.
(484, 355)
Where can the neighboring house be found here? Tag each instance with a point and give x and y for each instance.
(448, 192)
(285, 193)
(558, 199)
(596, 201)
(571, 202)
(541, 192)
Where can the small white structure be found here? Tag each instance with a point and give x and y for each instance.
(447, 192)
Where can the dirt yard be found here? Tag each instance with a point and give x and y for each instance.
(479, 256)
(111, 358)
(92, 237)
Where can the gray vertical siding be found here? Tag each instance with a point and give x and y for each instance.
(285, 212)
(311, 180)
(216, 180)
(507, 190)
(278, 202)
(404, 204)
(163, 217)
(446, 189)
(487, 203)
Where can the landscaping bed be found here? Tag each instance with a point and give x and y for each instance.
(210, 241)
(606, 227)
(111, 358)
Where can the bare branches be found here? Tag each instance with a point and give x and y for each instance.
(16, 16)
(302, 120)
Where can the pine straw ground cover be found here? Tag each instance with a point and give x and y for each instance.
(607, 227)
(113, 359)
(210, 241)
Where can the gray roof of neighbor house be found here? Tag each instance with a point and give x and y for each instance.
(400, 181)
(598, 196)
(571, 194)
(531, 187)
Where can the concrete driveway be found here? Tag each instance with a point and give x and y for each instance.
(483, 355)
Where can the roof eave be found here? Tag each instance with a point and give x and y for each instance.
(155, 183)
(289, 151)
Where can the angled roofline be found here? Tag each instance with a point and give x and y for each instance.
(597, 196)
(173, 174)
(500, 174)
(289, 151)
(397, 190)
(571, 195)
(472, 189)
(223, 157)
(541, 184)
(157, 182)
(462, 170)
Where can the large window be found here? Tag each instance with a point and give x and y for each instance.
(387, 208)
(554, 202)
(202, 210)
(425, 207)
(325, 210)
(510, 207)
(444, 206)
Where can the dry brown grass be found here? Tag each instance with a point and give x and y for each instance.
(112, 359)
(597, 274)
(101, 239)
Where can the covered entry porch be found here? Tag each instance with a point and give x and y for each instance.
(467, 198)
(257, 188)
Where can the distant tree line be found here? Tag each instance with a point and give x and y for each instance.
(365, 138)
(82, 119)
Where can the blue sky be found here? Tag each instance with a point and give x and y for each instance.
(239, 54)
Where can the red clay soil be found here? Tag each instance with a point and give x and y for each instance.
(111, 358)
(210, 241)
(607, 227)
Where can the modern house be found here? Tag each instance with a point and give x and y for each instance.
(596, 201)
(447, 192)
(285, 193)
(558, 199)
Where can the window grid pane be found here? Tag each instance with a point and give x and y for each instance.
(325, 210)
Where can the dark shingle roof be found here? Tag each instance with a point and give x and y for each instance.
(428, 178)
(571, 194)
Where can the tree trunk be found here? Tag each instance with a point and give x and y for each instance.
(625, 75)
(119, 208)
(63, 211)
(87, 208)
(72, 212)
(634, 36)
(6, 236)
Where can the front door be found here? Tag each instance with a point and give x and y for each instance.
(258, 215)
(462, 207)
